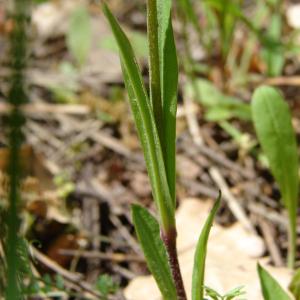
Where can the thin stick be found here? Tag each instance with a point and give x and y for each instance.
(268, 233)
(46, 261)
(116, 257)
(46, 108)
(288, 81)
(232, 202)
(192, 122)
(70, 276)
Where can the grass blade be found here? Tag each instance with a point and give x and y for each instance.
(274, 56)
(146, 127)
(200, 255)
(148, 233)
(270, 287)
(272, 121)
(169, 85)
(188, 8)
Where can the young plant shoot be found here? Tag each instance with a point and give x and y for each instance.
(155, 119)
(272, 122)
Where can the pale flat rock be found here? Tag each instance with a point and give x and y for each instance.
(231, 259)
(293, 16)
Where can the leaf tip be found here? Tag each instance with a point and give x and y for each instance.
(135, 208)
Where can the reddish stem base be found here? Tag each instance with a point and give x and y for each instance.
(169, 240)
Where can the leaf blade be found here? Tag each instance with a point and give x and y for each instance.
(218, 106)
(272, 122)
(200, 255)
(270, 287)
(294, 286)
(148, 233)
(169, 85)
(145, 123)
(169, 100)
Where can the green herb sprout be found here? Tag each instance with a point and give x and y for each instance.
(155, 119)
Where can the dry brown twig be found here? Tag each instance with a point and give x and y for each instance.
(74, 278)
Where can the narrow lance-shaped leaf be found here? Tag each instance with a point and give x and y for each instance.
(147, 229)
(144, 120)
(270, 287)
(200, 255)
(272, 121)
(169, 85)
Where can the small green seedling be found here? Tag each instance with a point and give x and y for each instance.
(155, 119)
(231, 295)
(106, 286)
(272, 122)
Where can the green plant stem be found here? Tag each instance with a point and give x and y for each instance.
(154, 72)
(13, 289)
(292, 244)
(169, 240)
(16, 97)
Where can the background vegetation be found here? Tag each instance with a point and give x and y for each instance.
(71, 164)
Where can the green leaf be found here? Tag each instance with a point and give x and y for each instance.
(272, 121)
(270, 287)
(106, 285)
(231, 7)
(79, 36)
(274, 56)
(145, 123)
(236, 292)
(200, 255)
(227, 19)
(227, 112)
(169, 85)
(147, 229)
(218, 106)
(189, 10)
(59, 282)
(294, 286)
(163, 82)
(234, 10)
(212, 293)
